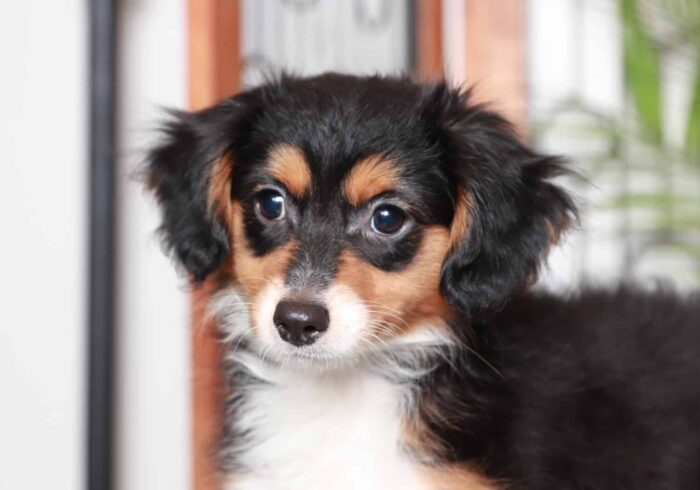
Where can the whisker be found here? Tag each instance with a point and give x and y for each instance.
(390, 314)
(484, 360)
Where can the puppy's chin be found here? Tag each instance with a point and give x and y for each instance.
(310, 357)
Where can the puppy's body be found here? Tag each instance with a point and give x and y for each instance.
(597, 392)
(372, 243)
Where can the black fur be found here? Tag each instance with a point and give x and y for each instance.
(178, 172)
(516, 207)
(440, 142)
(599, 391)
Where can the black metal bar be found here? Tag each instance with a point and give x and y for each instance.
(411, 63)
(102, 39)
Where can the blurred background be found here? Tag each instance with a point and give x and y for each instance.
(95, 322)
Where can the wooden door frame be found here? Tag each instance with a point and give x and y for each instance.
(493, 55)
(428, 40)
(214, 61)
(495, 62)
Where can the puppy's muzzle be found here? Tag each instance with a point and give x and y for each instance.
(300, 323)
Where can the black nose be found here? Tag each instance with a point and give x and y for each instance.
(300, 323)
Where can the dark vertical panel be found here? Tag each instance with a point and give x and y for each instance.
(101, 264)
(411, 38)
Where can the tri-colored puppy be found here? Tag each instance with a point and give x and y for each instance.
(372, 242)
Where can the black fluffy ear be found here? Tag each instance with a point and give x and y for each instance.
(507, 213)
(179, 172)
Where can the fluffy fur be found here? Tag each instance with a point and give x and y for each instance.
(439, 368)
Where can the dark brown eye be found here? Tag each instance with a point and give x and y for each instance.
(387, 220)
(270, 204)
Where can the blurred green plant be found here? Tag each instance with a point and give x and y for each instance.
(642, 71)
(654, 30)
(685, 16)
(639, 147)
(692, 139)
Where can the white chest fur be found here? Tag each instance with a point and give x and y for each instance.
(324, 432)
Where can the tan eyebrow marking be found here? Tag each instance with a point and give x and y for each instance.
(369, 177)
(287, 164)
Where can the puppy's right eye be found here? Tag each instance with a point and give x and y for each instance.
(270, 204)
(387, 220)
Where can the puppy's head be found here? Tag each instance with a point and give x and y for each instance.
(351, 214)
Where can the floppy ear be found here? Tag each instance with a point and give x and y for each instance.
(179, 172)
(507, 212)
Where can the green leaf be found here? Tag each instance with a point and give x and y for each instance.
(692, 136)
(642, 70)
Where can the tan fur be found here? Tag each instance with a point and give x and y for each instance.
(219, 198)
(412, 294)
(417, 437)
(287, 164)
(461, 219)
(456, 477)
(555, 233)
(369, 177)
(253, 272)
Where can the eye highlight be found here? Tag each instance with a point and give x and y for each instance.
(387, 220)
(270, 204)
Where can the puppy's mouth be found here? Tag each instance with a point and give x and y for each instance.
(334, 330)
(319, 355)
(280, 326)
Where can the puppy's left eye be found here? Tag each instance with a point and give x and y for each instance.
(270, 204)
(387, 220)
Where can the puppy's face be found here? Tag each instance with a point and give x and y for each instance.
(354, 214)
(337, 252)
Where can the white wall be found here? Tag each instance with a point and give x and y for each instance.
(153, 374)
(43, 244)
(43, 252)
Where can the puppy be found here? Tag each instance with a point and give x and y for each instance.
(371, 243)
